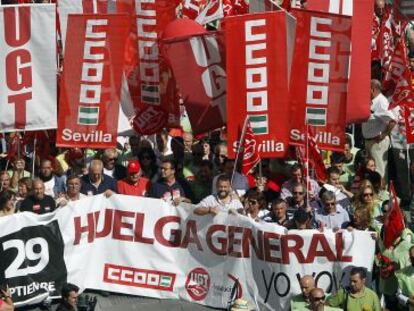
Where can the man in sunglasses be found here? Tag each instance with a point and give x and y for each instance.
(111, 168)
(329, 214)
(317, 301)
(405, 277)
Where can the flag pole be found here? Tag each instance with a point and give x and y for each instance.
(307, 164)
(34, 155)
(239, 148)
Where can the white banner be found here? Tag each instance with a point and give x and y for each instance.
(145, 247)
(28, 67)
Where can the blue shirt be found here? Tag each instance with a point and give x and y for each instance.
(107, 183)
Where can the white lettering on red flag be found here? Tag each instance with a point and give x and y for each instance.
(27, 68)
(260, 42)
(319, 78)
(91, 80)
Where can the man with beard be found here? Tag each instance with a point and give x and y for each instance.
(54, 185)
(317, 301)
(224, 200)
(405, 279)
(38, 202)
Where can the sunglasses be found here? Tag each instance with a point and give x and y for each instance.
(330, 204)
(368, 194)
(296, 192)
(111, 159)
(318, 298)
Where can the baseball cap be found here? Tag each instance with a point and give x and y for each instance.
(133, 166)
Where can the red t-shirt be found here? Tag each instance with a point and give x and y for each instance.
(140, 189)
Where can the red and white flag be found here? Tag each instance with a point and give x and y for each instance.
(319, 78)
(28, 67)
(404, 9)
(394, 220)
(409, 123)
(211, 12)
(257, 80)
(358, 98)
(91, 80)
(198, 65)
(311, 157)
(250, 155)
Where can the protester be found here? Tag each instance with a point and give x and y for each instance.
(148, 162)
(4, 181)
(54, 185)
(239, 182)
(298, 198)
(405, 277)
(317, 301)
(299, 302)
(301, 220)
(73, 186)
(255, 205)
(278, 213)
(38, 202)
(224, 200)
(167, 187)
(296, 176)
(377, 129)
(110, 167)
(343, 196)
(134, 184)
(329, 214)
(357, 296)
(18, 172)
(69, 297)
(96, 182)
(201, 185)
(7, 203)
(24, 188)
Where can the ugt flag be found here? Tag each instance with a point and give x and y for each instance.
(27, 67)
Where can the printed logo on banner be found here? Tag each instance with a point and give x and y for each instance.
(129, 276)
(198, 284)
(219, 289)
(32, 261)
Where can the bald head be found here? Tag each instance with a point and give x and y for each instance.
(317, 299)
(38, 189)
(95, 170)
(307, 283)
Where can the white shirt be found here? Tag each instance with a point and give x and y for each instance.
(49, 185)
(213, 201)
(379, 119)
(398, 136)
(240, 184)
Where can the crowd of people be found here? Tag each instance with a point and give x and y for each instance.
(177, 167)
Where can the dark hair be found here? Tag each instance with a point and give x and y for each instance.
(27, 181)
(72, 177)
(5, 196)
(337, 157)
(223, 177)
(67, 288)
(171, 162)
(278, 201)
(348, 140)
(206, 163)
(295, 167)
(299, 184)
(375, 179)
(359, 270)
(333, 170)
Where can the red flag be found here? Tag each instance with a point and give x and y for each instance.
(250, 156)
(358, 98)
(260, 43)
(319, 78)
(409, 123)
(91, 80)
(394, 220)
(310, 153)
(198, 67)
(400, 74)
(404, 9)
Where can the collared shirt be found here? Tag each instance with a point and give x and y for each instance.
(339, 219)
(107, 183)
(213, 201)
(367, 300)
(380, 116)
(161, 190)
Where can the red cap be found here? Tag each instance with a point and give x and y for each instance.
(133, 167)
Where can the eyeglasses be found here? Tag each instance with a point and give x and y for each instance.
(368, 194)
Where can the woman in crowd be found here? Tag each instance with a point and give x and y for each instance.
(148, 162)
(366, 199)
(24, 187)
(255, 205)
(7, 200)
